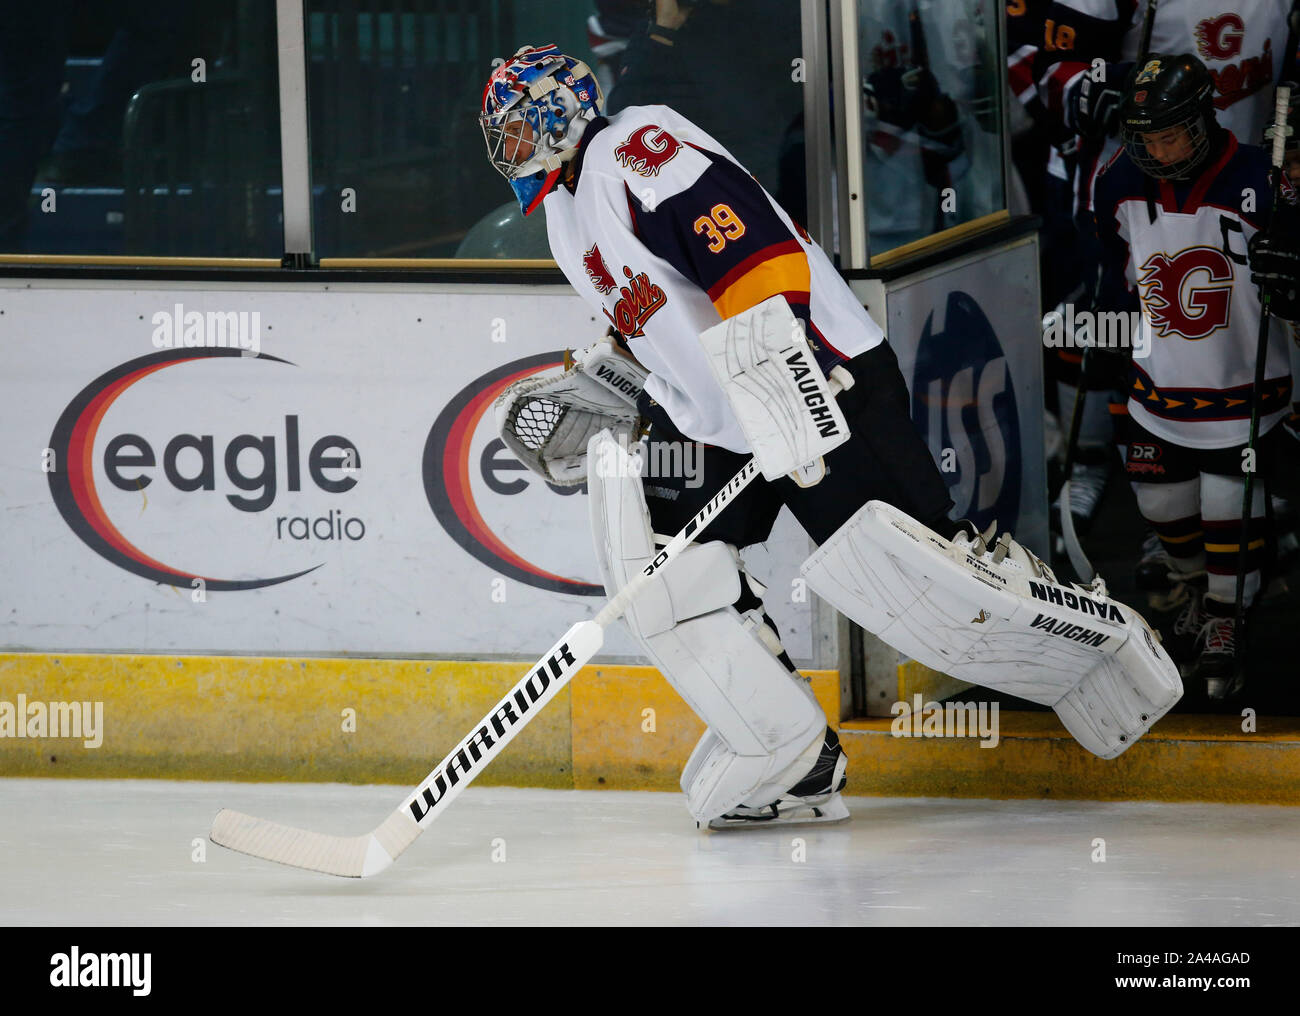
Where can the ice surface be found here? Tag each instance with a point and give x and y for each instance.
(120, 852)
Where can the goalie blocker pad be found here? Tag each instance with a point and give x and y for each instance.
(777, 391)
(997, 624)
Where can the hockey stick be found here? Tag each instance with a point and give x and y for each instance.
(1280, 126)
(1148, 23)
(371, 853)
(1073, 548)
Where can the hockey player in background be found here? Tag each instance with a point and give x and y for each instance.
(658, 227)
(1085, 53)
(1181, 212)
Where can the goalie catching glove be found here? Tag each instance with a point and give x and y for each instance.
(547, 420)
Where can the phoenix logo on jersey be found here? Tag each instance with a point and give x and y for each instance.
(638, 302)
(598, 271)
(647, 150)
(1177, 308)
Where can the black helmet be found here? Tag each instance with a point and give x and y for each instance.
(1165, 93)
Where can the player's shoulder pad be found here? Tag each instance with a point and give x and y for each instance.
(649, 148)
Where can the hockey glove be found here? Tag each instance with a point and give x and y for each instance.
(1092, 107)
(1275, 268)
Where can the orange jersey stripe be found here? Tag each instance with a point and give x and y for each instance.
(1233, 548)
(772, 250)
(787, 273)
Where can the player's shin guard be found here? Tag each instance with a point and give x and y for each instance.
(762, 719)
(1221, 513)
(1173, 510)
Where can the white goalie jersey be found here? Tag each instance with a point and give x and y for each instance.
(666, 235)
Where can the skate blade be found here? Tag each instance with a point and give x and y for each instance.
(833, 811)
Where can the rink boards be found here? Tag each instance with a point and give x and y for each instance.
(615, 727)
(347, 720)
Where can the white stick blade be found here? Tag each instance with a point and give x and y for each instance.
(347, 856)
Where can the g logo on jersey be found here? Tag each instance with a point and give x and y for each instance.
(647, 149)
(1192, 312)
(1220, 38)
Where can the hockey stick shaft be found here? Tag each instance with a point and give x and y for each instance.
(1073, 548)
(1289, 54)
(1148, 23)
(1281, 108)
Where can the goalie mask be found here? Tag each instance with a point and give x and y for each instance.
(535, 110)
(1167, 119)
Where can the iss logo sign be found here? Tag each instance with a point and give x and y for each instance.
(965, 407)
(179, 467)
(481, 494)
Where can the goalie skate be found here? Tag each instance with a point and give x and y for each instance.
(815, 798)
(995, 615)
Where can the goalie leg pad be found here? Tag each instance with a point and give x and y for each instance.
(717, 779)
(1119, 699)
(702, 579)
(762, 717)
(708, 743)
(998, 621)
